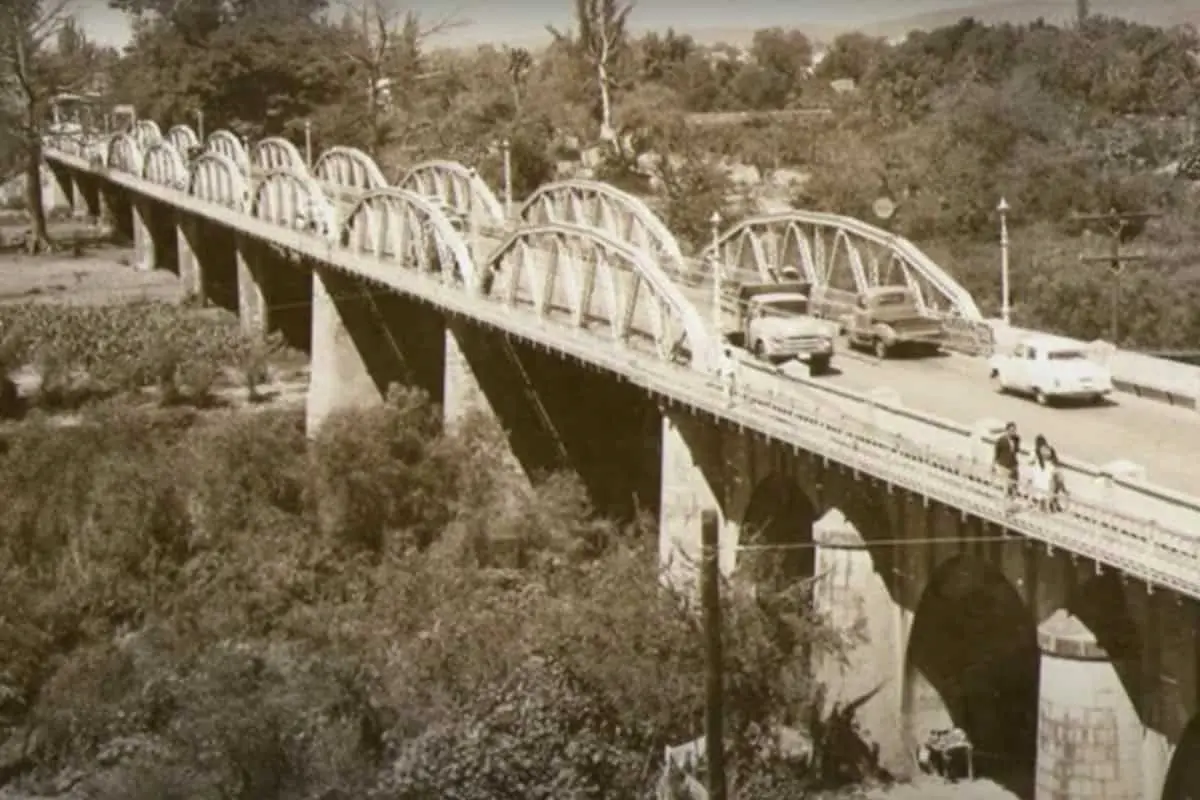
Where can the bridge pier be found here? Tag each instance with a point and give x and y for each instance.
(855, 601)
(364, 340)
(189, 251)
(253, 289)
(1089, 732)
(144, 251)
(692, 458)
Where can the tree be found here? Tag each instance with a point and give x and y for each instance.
(28, 81)
(386, 50)
(851, 56)
(599, 41)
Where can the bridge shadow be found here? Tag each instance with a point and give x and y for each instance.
(218, 265)
(973, 663)
(563, 415)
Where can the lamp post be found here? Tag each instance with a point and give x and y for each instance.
(1005, 307)
(200, 125)
(308, 142)
(506, 151)
(715, 222)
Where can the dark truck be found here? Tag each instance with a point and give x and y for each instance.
(888, 319)
(775, 324)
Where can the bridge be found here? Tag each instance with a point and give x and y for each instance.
(1063, 643)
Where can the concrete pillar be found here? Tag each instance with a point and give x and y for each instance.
(187, 241)
(79, 203)
(144, 255)
(688, 448)
(856, 603)
(462, 395)
(1089, 732)
(56, 194)
(253, 291)
(339, 377)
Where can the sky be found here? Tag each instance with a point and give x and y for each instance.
(522, 20)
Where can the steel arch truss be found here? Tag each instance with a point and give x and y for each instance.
(231, 147)
(275, 152)
(600, 205)
(840, 253)
(290, 198)
(349, 168)
(459, 189)
(163, 165)
(183, 139)
(124, 154)
(398, 225)
(146, 132)
(215, 178)
(585, 278)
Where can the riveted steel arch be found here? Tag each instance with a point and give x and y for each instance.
(146, 132)
(459, 188)
(230, 146)
(350, 168)
(163, 165)
(284, 196)
(584, 278)
(398, 225)
(840, 253)
(124, 154)
(275, 152)
(604, 206)
(215, 178)
(183, 139)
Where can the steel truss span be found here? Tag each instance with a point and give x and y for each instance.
(349, 168)
(599, 205)
(275, 152)
(146, 133)
(231, 147)
(124, 154)
(840, 253)
(588, 279)
(288, 197)
(216, 179)
(396, 225)
(457, 187)
(162, 164)
(183, 139)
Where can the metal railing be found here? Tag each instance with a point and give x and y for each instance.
(951, 475)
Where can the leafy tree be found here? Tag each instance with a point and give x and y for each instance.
(851, 56)
(599, 41)
(30, 76)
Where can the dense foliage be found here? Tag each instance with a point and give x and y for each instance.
(84, 353)
(204, 610)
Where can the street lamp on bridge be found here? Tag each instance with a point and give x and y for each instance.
(506, 151)
(1005, 305)
(715, 222)
(200, 125)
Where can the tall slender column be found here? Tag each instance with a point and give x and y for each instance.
(187, 240)
(253, 292)
(339, 377)
(690, 456)
(144, 256)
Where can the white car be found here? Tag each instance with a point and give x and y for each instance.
(1049, 370)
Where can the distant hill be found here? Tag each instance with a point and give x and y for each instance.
(1163, 13)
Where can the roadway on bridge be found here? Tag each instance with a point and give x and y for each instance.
(1163, 439)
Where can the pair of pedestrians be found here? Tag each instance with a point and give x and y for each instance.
(1044, 470)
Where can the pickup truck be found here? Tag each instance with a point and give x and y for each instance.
(888, 319)
(1050, 371)
(776, 326)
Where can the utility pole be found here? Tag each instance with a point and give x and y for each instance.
(1115, 223)
(714, 675)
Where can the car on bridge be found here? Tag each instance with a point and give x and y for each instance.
(890, 319)
(1050, 371)
(775, 324)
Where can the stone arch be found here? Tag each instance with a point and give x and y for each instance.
(779, 513)
(458, 188)
(216, 179)
(162, 164)
(1183, 772)
(349, 168)
(401, 225)
(972, 662)
(182, 138)
(275, 152)
(124, 154)
(1100, 604)
(146, 132)
(230, 146)
(284, 197)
